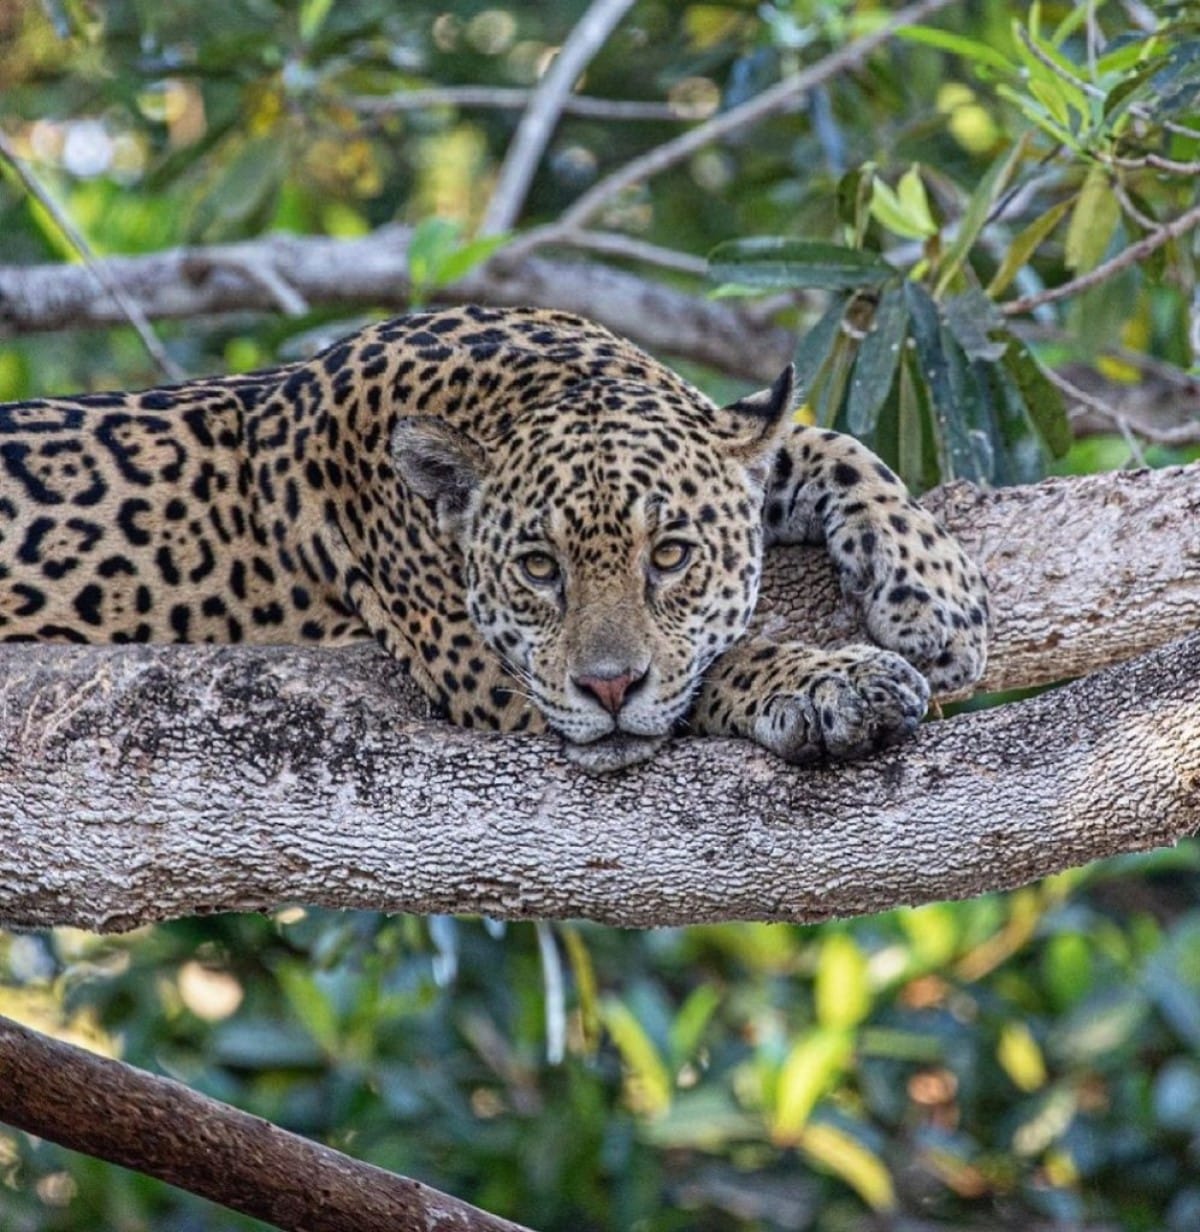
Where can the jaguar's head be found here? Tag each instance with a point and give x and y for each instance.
(612, 545)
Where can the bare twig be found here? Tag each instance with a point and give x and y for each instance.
(513, 98)
(1156, 161)
(763, 105)
(545, 106)
(132, 313)
(1093, 278)
(157, 1126)
(612, 244)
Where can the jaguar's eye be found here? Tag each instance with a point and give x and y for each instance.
(670, 555)
(539, 567)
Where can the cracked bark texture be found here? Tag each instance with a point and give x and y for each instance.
(147, 783)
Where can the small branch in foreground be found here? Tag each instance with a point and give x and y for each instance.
(1093, 278)
(161, 1128)
(545, 106)
(133, 314)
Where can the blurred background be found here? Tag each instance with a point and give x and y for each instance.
(1029, 1060)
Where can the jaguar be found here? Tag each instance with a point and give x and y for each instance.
(550, 529)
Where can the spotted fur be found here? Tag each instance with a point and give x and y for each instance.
(545, 525)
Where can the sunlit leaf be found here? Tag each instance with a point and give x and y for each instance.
(1020, 1057)
(809, 1071)
(786, 263)
(853, 1162)
(932, 932)
(647, 1082)
(584, 975)
(841, 992)
(910, 219)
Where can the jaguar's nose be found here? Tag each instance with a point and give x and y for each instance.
(611, 691)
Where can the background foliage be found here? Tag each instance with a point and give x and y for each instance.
(1008, 1062)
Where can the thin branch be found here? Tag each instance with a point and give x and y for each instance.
(1093, 278)
(545, 107)
(1156, 161)
(505, 98)
(161, 1128)
(612, 244)
(132, 313)
(762, 106)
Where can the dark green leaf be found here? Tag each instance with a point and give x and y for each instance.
(773, 262)
(878, 356)
(816, 348)
(1043, 399)
(972, 318)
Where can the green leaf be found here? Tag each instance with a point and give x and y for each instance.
(975, 216)
(956, 452)
(769, 261)
(910, 449)
(815, 350)
(1042, 398)
(584, 974)
(854, 201)
(1024, 245)
(1020, 1057)
(971, 317)
(691, 1022)
(878, 355)
(980, 54)
(841, 992)
(647, 1082)
(462, 261)
(905, 213)
(853, 1162)
(312, 17)
(810, 1069)
(1093, 222)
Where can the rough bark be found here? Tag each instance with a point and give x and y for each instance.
(128, 1117)
(148, 783)
(294, 272)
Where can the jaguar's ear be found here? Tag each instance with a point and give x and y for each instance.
(439, 463)
(750, 428)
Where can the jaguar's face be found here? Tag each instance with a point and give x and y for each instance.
(613, 549)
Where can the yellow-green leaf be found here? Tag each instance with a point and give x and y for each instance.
(1092, 223)
(810, 1069)
(843, 996)
(854, 1163)
(1020, 1057)
(1024, 246)
(647, 1082)
(904, 219)
(932, 932)
(585, 985)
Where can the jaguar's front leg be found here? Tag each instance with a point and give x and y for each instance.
(919, 593)
(806, 704)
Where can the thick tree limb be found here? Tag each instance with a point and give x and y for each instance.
(185, 283)
(148, 783)
(126, 1116)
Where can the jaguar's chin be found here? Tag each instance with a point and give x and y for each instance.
(616, 751)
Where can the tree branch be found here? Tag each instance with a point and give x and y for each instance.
(514, 98)
(186, 283)
(153, 782)
(545, 106)
(160, 1127)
